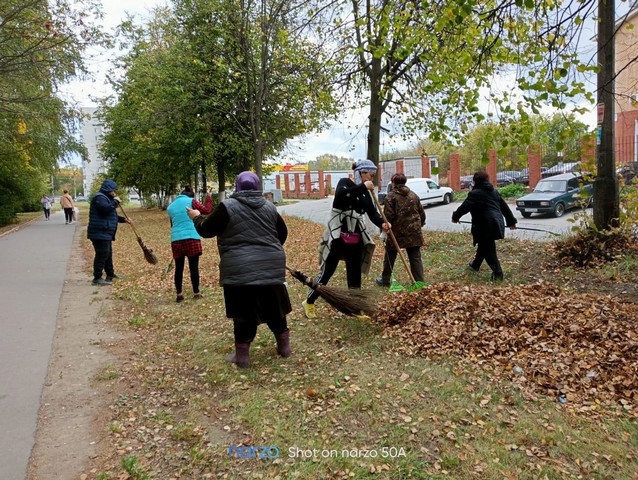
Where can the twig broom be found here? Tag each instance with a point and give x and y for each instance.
(350, 302)
(148, 252)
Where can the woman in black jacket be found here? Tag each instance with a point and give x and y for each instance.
(488, 209)
(345, 236)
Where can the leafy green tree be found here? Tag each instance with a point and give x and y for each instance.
(208, 85)
(276, 80)
(41, 46)
(405, 60)
(559, 135)
(144, 141)
(328, 161)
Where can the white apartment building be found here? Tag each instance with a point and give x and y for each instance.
(91, 136)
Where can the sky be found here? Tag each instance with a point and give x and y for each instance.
(115, 11)
(339, 139)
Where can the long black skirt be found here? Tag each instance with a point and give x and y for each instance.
(261, 303)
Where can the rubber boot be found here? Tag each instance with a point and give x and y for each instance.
(240, 357)
(283, 343)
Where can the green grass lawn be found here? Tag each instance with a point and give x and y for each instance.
(349, 403)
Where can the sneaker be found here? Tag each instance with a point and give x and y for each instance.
(115, 276)
(197, 295)
(497, 277)
(101, 282)
(471, 267)
(179, 298)
(309, 309)
(379, 281)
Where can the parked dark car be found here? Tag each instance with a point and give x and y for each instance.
(514, 174)
(502, 180)
(524, 178)
(466, 182)
(556, 194)
(628, 172)
(559, 168)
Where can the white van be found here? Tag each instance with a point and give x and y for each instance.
(428, 190)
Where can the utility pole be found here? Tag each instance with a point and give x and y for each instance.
(606, 206)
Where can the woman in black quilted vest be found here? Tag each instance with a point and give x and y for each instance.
(250, 236)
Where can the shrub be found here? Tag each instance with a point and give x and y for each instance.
(514, 190)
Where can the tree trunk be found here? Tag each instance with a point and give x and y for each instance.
(375, 113)
(221, 179)
(259, 158)
(606, 200)
(204, 179)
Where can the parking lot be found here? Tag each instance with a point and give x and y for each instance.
(438, 218)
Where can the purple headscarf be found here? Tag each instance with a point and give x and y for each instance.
(247, 181)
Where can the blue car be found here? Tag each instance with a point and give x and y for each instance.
(556, 194)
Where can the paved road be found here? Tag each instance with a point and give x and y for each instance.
(438, 218)
(33, 261)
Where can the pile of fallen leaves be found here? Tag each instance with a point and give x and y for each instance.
(589, 248)
(579, 349)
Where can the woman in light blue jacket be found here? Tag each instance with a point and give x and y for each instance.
(185, 241)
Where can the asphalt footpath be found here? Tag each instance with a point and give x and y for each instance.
(33, 262)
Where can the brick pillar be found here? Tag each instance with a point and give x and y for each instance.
(400, 168)
(322, 187)
(454, 175)
(534, 164)
(287, 185)
(308, 184)
(297, 186)
(425, 167)
(278, 182)
(491, 166)
(328, 189)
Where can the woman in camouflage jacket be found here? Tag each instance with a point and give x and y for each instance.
(403, 210)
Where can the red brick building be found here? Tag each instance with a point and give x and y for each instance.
(626, 124)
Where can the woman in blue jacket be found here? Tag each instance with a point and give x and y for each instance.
(185, 241)
(103, 220)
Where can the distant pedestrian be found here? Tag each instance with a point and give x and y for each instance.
(488, 209)
(103, 220)
(46, 206)
(402, 208)
(67, 204)
(185, 241)
(345, 237)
